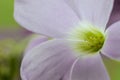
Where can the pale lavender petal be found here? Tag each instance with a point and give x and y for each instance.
(36, 40)
(48, 61)
(94, 11)
(89, 68)
(49, 17)
(111, 47)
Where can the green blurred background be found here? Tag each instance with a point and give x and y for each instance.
(8, 26)
(9, 29)
(13, 40)
(6, 14)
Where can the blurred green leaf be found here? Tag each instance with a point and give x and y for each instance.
(113, 67)
(10, 58)
(6, 14)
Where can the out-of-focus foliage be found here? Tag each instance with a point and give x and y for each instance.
(113, 67)
(12, 42)
(6, 14)
(10, 58)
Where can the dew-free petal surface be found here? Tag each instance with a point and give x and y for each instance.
(89, 68)
(111, 46)
(48, 61)
(36, 40)
(94, 11)
(48, 17)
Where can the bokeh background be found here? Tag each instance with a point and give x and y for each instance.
(13, 40)
(7, 22)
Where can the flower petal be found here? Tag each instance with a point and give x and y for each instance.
(48, 61)
(94, 11)
(111, 47)
(89, 68)
(48, 17)
(36, 40)
(115, 15)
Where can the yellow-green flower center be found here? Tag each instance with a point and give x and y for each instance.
(87, 38)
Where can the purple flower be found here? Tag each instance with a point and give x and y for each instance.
(115, 15)
(80, 38)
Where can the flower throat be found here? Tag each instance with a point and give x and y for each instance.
(87, 38)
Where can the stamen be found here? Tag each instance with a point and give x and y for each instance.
(87, 38)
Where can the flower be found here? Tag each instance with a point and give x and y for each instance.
(80, 39)
(115, 16)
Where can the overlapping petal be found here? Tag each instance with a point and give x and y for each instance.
(52, 59)
(111, 47)
(94, 11)
(48, 17)
(48, 61)
(36, 40)
(89, 68)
